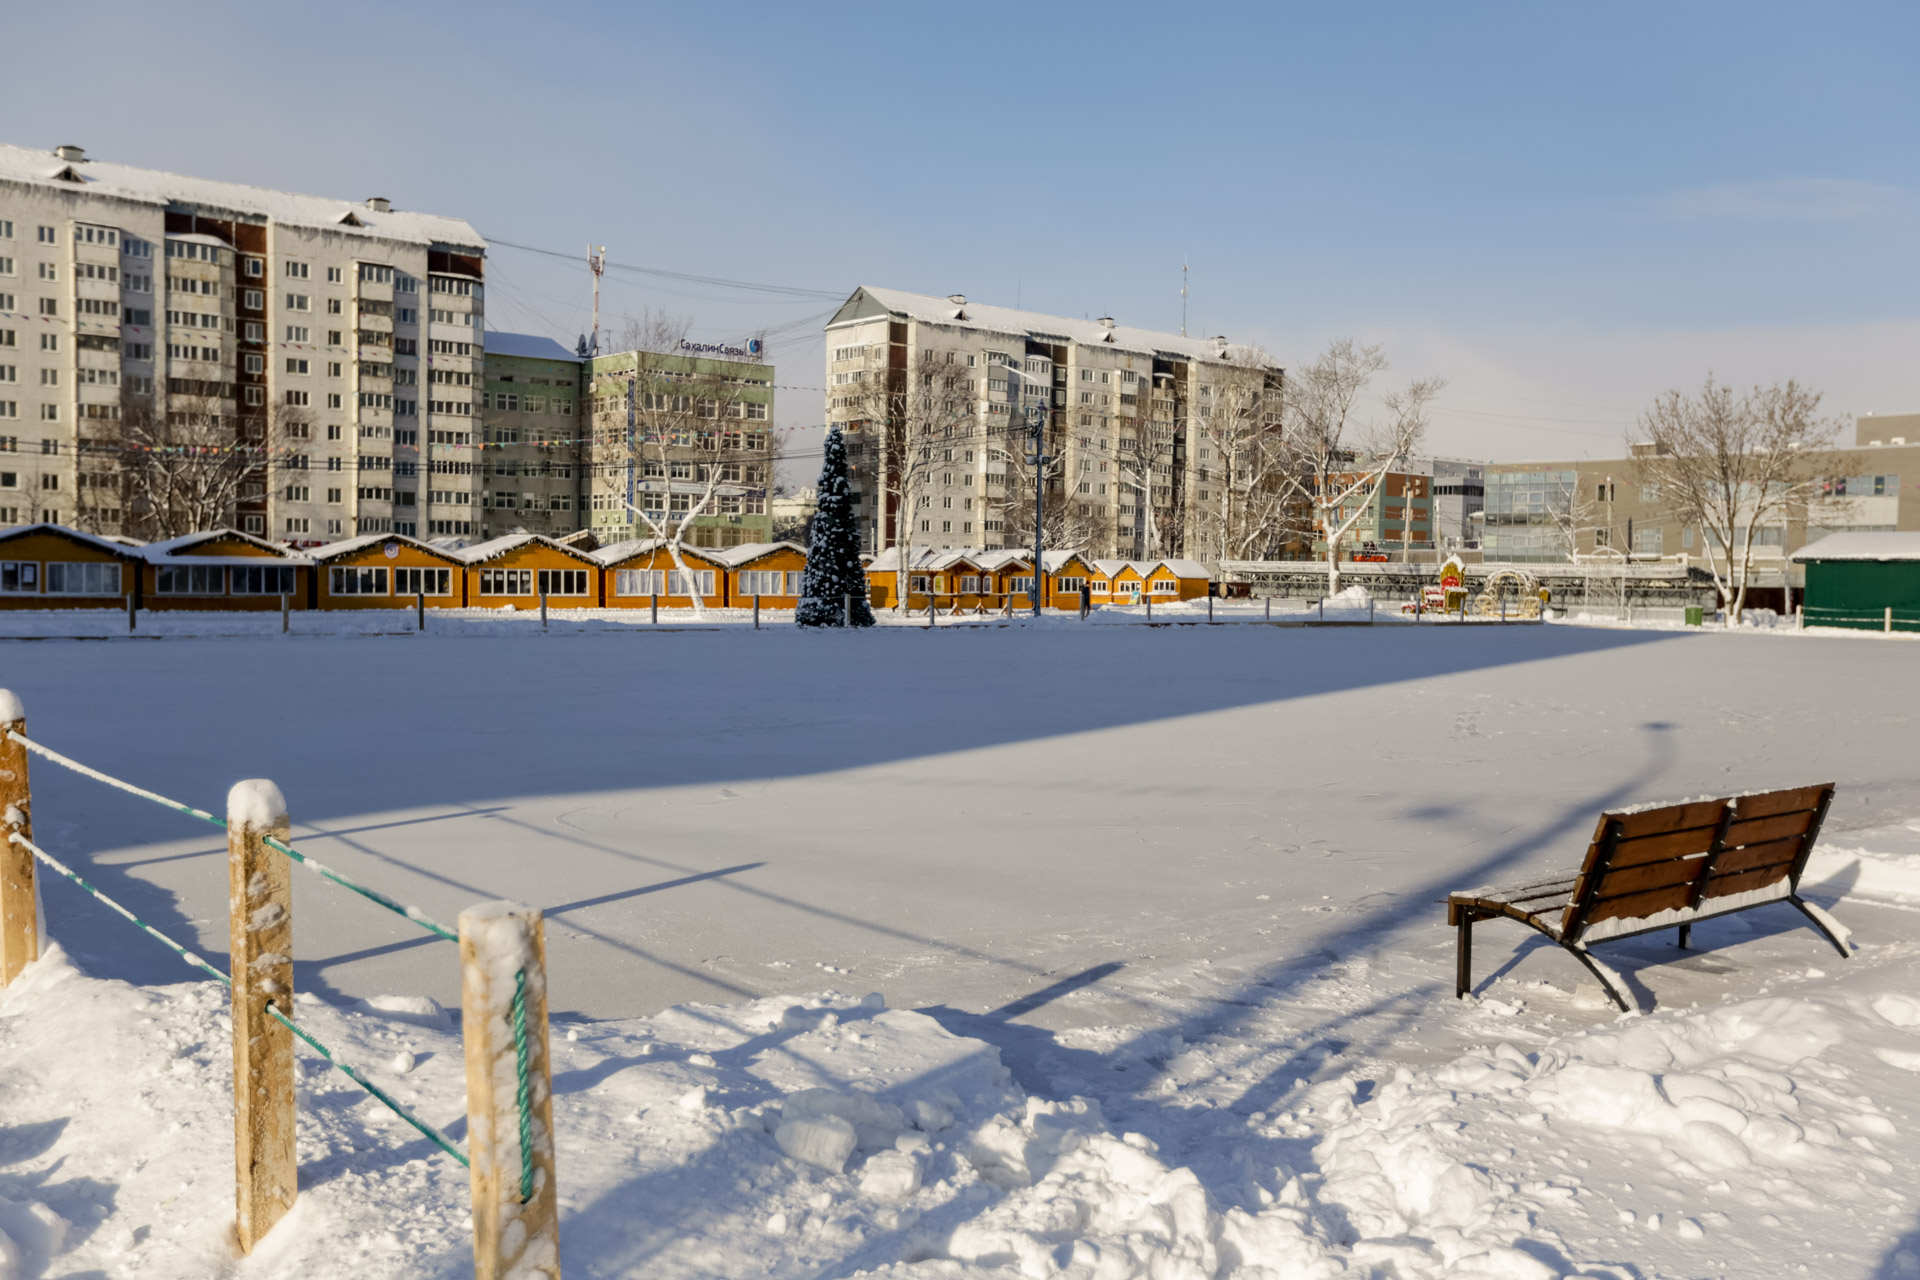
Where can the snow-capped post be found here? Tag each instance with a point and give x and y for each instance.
(543, 611)
(260, 894)
(834, 573)
(19, 922)
(503, 998)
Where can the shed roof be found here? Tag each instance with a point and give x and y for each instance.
(1185, 568)
(494, 548)
(1861, 546)
(529, 345)
(174, 548)
(747, 553)
(347, 546)
(108, 545)
(617, 552)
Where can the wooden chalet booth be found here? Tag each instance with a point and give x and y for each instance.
(770, 571)
(384, 571)
(1118, 582)
(222, 569)
(635, 573)
(1066, 573)
(1003, 574)
(1191, 579)
(49, 566)
(517, 570)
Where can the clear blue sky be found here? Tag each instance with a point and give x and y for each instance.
(1561, 209)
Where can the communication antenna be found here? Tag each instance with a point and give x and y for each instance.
(596, 263)
(1183, 297)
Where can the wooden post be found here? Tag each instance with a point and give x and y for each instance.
(512, 1235)
(419, 611)
(543, 611)
(1209, 606)
(286, 612)
(756, 611)
(260, 891)
(130, 613)
(656, 608)
(846, 610)
(19, 921)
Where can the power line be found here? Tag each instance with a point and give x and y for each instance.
(779, 290)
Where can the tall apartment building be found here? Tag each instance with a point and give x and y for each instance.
(533, 456)
(338, 345)
(685, 437)
(934, 396)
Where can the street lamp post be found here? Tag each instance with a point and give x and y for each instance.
(1036, 422)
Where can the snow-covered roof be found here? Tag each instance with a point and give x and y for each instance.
(1036, 324)
(994, 561)
(170, 548)
(747, 553)
(495, 547)
(1054, 561)
(529, 345)
(1107, 568)
(615, 552)
(1183, 568)
(152, 186)
(1861, 546)
(347, 546)
(113, 545)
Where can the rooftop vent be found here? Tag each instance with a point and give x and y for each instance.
(1899, 439)
(957, 299)
(379, 204)
(1106, 322)
(67, 151)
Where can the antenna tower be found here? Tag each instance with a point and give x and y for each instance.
(596, 263)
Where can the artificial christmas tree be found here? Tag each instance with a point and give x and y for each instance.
(833, 553)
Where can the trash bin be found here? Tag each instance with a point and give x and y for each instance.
(1696, 614)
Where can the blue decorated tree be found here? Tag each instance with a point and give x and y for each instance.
(833, 553)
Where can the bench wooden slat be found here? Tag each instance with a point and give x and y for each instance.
(1673, 844)
(1673, 817)
(1757, 830)
(1671, 898)
(1768, 803)
(1734, 861)
(1653, 875)
(1758, 878)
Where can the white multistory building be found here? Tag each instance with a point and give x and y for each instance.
(935, 396)
(340, 342)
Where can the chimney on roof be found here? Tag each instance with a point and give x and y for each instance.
(379, 204)
(67, 151)
(1106, 322)
(957, 299)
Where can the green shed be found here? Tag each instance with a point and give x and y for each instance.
(1870, 581)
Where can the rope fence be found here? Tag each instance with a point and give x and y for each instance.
(515, 1218)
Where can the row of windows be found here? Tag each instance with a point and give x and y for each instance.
(63, 578)
(667, 582)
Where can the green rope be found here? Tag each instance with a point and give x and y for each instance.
(524, 1096)
(434, 1135)
(272, 842)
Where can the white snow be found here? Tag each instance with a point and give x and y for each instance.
(11, 708)
(256, 804)
(1152, 917)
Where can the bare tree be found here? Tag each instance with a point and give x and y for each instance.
(1067, 525)
(1580, 516)
(1336, 452)
(684, 440)
(1244, 468)
(185, 465)
(1733, 465)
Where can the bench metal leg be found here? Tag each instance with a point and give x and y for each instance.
(1604, 976)
(1463, 966)
(1686, 936)
(1813, 918)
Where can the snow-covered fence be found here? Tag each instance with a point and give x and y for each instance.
(503, 986)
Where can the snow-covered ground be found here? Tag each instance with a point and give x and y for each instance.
(1154, 914)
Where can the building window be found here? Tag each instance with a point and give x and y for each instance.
(700, 579)
(296, 271)
(639, 582)
(506, 582)
(423, 582)
(66, 578)
(189, 580)
(357, 581)
(299, 301)
(19, 577)
(263, 580)
(563, 582)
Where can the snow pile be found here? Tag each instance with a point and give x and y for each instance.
(1353, 595)
(256, 804)
(11, 708)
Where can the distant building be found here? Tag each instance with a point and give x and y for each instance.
(1123, 409)
(532, 457)
(339, 340)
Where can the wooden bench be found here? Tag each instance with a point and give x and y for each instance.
(1664, 868)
